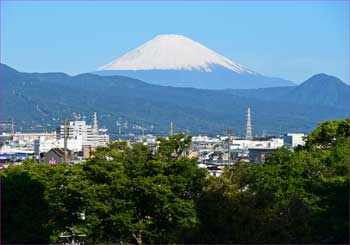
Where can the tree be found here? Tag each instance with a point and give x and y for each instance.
(294, 197)
(328, 132)
(173, 147)
(40, 199)
(135, 195)
(24, 210)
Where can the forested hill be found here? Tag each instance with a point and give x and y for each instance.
(42, 100)
(320, 90)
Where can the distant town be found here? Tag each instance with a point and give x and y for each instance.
(75, 141)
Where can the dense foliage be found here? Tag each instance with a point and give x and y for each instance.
(133, 195)
(295, 197)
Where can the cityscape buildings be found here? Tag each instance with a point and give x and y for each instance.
(81, 139)
(80, 136)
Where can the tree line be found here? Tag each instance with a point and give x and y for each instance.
(129, 195)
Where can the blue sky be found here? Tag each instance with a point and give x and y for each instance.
(292, 40)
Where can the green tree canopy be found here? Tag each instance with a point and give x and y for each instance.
(132, 194)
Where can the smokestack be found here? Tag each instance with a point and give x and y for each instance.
(171, 129)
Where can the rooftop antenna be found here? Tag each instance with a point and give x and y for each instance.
(280, 131)
(249, 134)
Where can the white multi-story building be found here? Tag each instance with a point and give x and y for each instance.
(90, 136)
(293, 139)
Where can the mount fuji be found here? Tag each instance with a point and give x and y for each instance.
(178, 61)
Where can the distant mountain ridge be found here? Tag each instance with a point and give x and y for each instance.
(42, 100)
(178, 61)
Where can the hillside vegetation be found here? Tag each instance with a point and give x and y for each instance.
(40, 101)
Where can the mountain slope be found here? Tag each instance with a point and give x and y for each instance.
(320, 89)
(41, 101)
(175, 60)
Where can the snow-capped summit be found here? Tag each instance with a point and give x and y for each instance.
(178, 61)
(173, 52)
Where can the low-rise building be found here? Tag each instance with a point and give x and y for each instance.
(56, 155)
(259, 155)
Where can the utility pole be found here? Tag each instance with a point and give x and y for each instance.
(12, 128)
(143, 133)
(65, 141)
(229, 133)
(95, 127)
